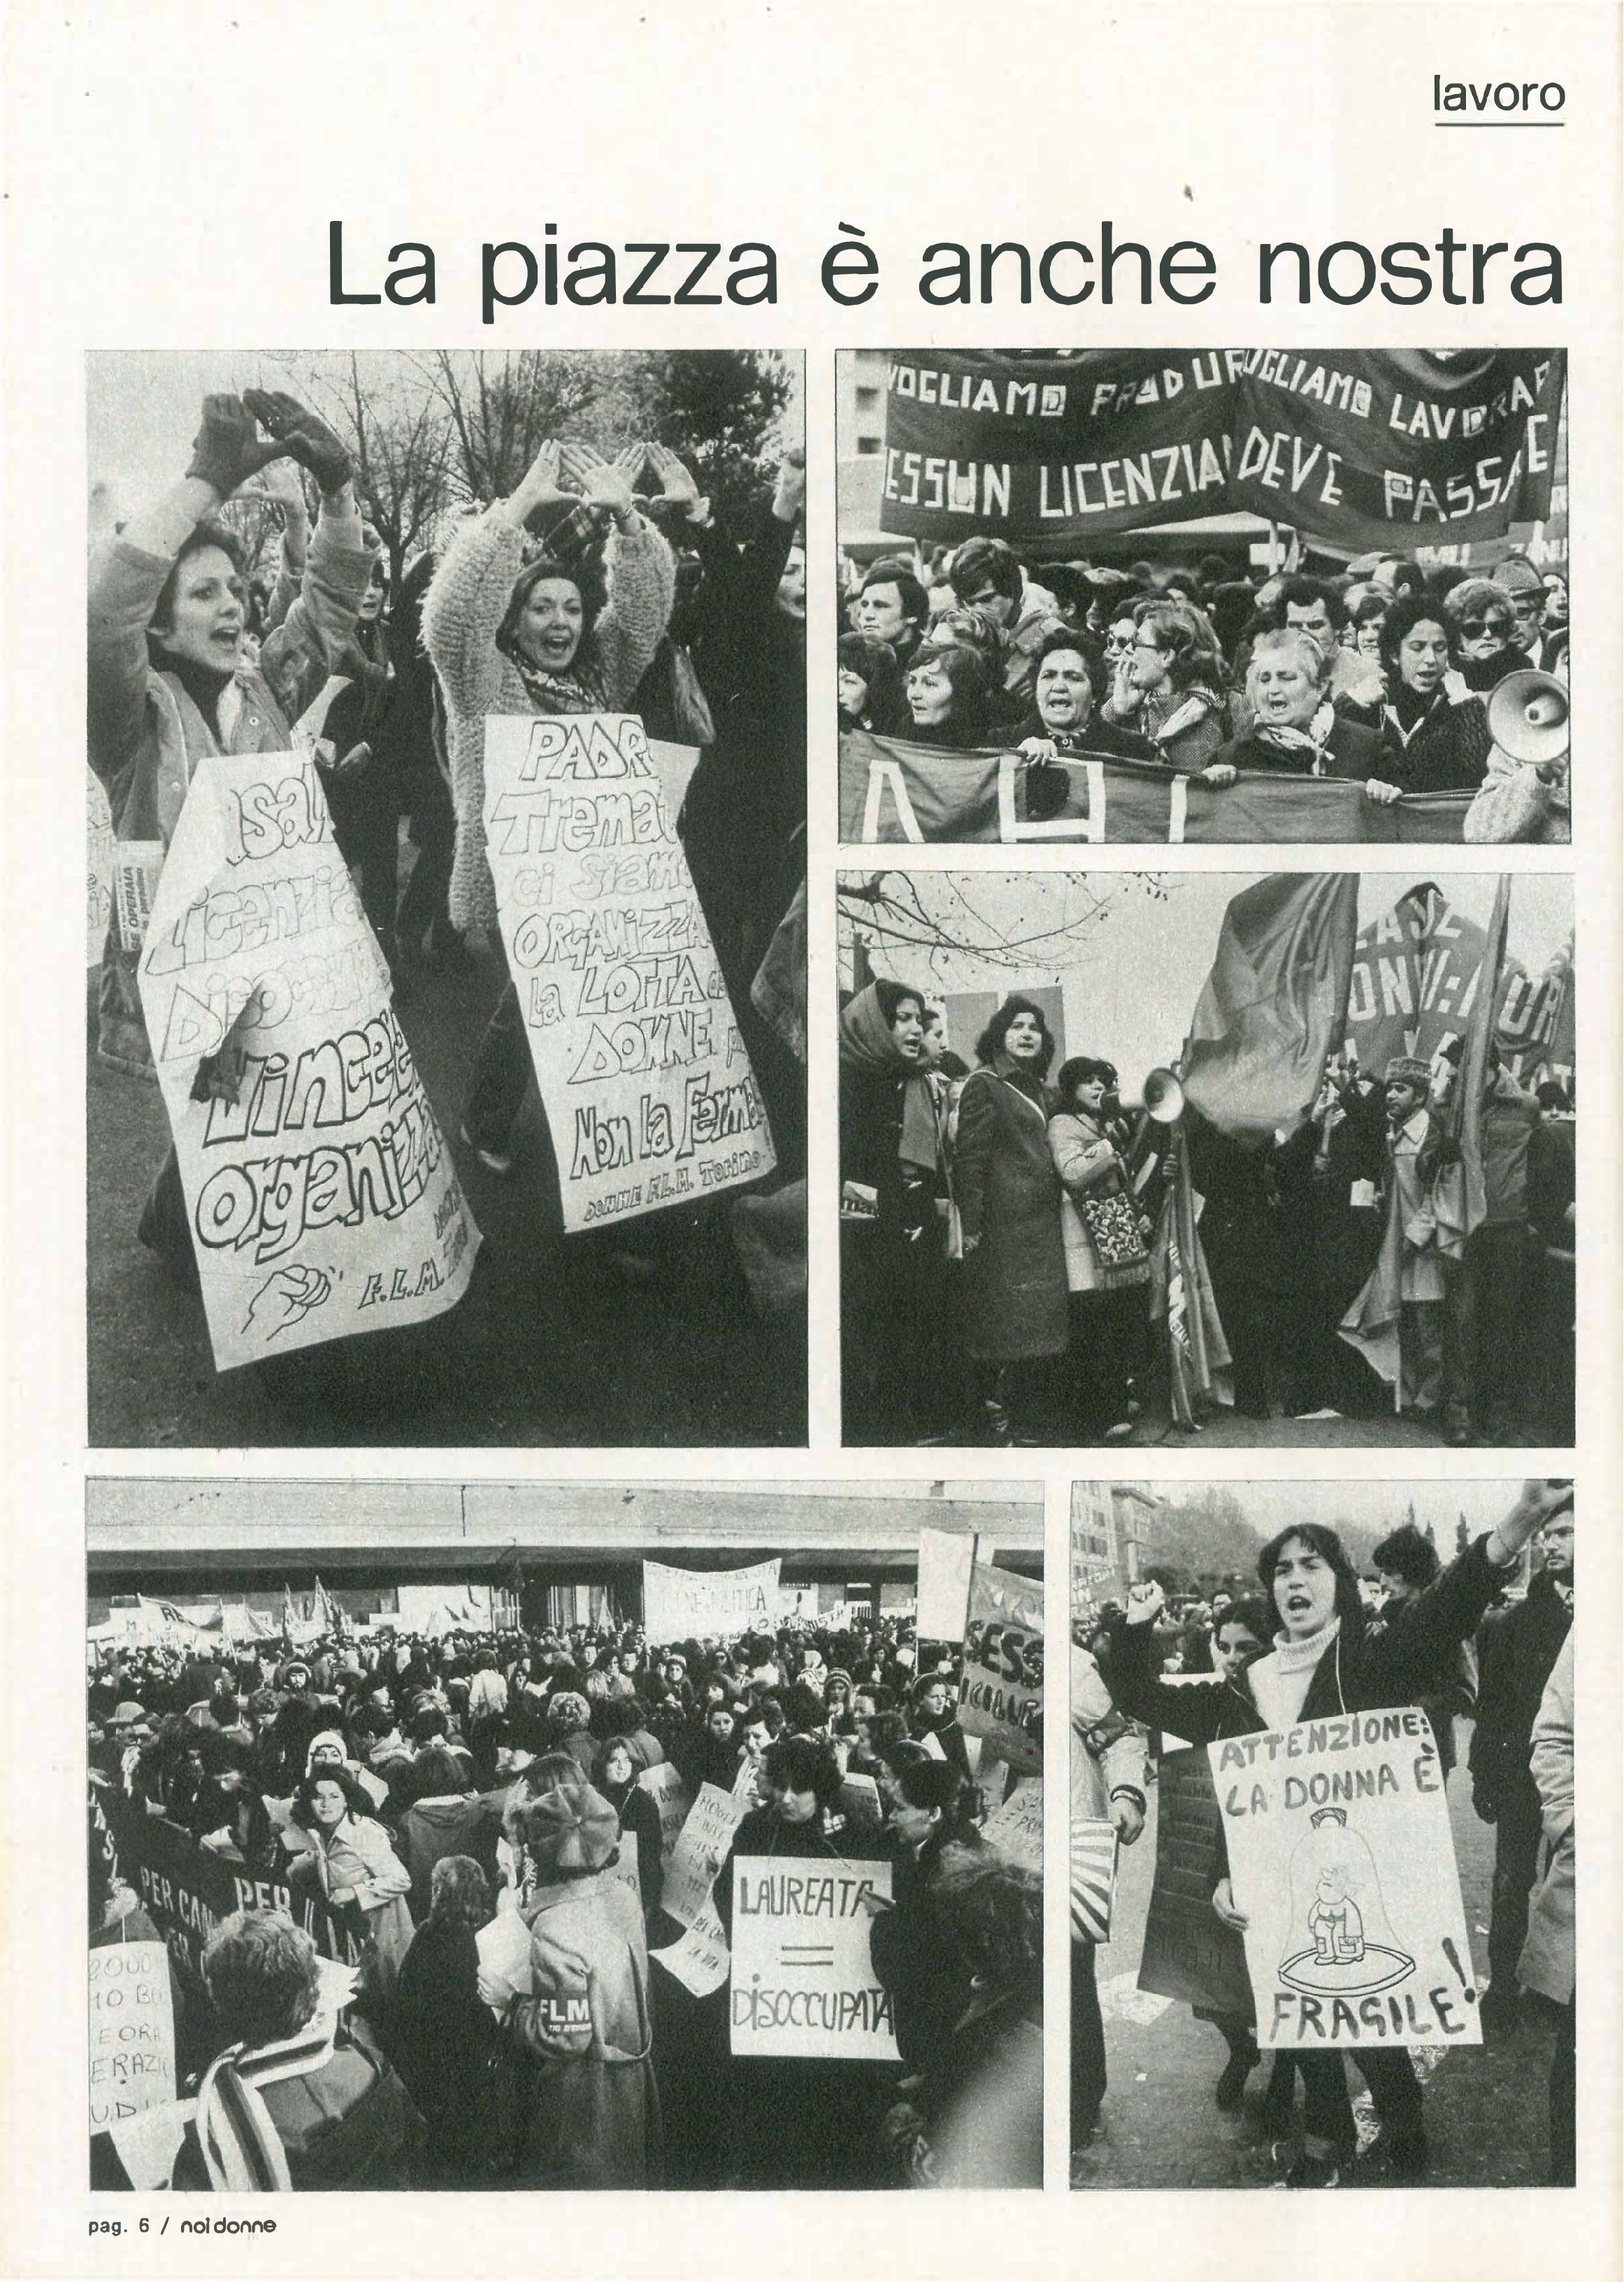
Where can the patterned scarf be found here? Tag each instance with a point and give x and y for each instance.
(577, 691)
(1304, 748)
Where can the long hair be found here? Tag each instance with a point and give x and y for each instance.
(356, 1800)
(1197, 660)
(990, 1043)
(586, 575)
(1329, 1546)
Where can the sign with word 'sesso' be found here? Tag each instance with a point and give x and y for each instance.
(647, 1084)
(803, 1982)
(1000, 1694)
(1342, 1860)
(321, 1196)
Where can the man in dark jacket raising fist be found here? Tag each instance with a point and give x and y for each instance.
(1517, 1648)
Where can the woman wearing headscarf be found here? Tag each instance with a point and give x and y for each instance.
(1171, 685)
(552, 636)
(893, 1257)
(437, 2030)
(1328, 1659)
(578, 2001)
(1008, 1195)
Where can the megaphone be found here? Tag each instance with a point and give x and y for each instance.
(1527, 716)
(1161, 1097)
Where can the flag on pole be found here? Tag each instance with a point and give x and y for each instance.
(1181, 1297)
(289, 1619)
(1472, 1080)
(1275, 1004)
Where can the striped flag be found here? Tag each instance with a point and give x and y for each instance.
(1093, 1880)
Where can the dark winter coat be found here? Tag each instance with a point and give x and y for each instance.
(1517, 1648)
(1351, 753)
(1009, 1200)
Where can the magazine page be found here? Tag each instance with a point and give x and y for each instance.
(812, 1365)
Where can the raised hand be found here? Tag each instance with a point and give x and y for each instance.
(603, 483)
(677, 481)
(1537, 1502)
(542, 484)
(302, 436)
(1146, 1602)
(282, 484)
(790, 494)
(227, 448)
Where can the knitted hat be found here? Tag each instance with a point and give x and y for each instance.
(1404, 1069)
(568, 1829)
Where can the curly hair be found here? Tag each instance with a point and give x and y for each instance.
(260, 1970)
(994, 1917)
(586, 575)
(990, 1042)
(798, 1763)
(1196, 660)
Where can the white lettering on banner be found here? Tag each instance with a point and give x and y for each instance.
(646, 1079)
(1342, 1859)
(321, 1198)
(132, 2032)
(803, 1981)
(688, 1603)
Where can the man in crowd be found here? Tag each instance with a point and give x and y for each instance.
(986, 576)
(892, 607)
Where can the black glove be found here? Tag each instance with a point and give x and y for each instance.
(227, 448)
(302, 436)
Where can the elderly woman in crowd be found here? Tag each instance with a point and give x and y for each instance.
(1295, 728)
(1063, 719)
(1008, 1194)
(555, 635)
(892, 1180)
(171, 678)
(1172, 687)
(1482, 624)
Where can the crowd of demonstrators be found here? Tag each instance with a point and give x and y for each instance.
(1377, 674)
(997, 1241)
(575, 594)
(421, 1788)
(1319, 1641)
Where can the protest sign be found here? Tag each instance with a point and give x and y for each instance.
(643, 1074)
(321, 1199)
(1016, 1829)
(1341, 1857)
(132, 2031)
(1000, 1694)
(944, 1559)
(1358, 448)
(1189, 1953)
(803, 1980)
(699, 1958)
(695, 1604)
(665, 1786)
(699, 1852)
(893, 792)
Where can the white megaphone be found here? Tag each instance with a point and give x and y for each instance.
(1527, 716)
(1161, 1097)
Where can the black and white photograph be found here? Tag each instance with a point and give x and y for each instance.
(445, 927)
(1323, 1834)
(559, 1836)
(1212, 594)
(1203, 1160)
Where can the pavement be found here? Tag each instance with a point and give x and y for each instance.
(1485, 2106)
(642, 1335)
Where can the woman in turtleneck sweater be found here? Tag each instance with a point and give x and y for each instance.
(1435, 739)
(1326, 1660)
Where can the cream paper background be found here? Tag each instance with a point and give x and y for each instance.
(170, 175)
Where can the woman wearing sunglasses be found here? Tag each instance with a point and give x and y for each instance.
(1483, 621)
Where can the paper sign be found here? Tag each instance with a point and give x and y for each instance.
(699, 1852)
(1000, 1695)
(803, 1980)
(699, 1959)
(647, 1086)
(147, 2145)
(137, 866)
(665, 1786)
(1341, 1857)
(504, 1948)
(321, 1198)
(690, 1603)
(1016, 1829)
(1189, 1953)
(944, 1559)
(132, 2031)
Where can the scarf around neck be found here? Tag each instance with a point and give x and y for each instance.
(1302, 747)
(866, 1044)
(578, 690)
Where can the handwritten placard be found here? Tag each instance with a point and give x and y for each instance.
(804, 1982)
(647, 1085)
(132, 2032)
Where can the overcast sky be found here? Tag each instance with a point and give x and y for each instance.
(1130, 979)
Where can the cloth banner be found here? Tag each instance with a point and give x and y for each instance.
(1274, 1004)
(322, 1197)
(1000, 1693)
(644, 1075)
(132, 2031)
(1189, 1953)
(803, 1981)
(1016, 1827)
(695, 1604)
(1357, 449)
(1341, 1857)
(1414, 984)
(893, 792)
(1182, 1300)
